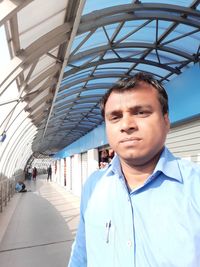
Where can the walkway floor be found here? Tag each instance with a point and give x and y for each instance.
(37, 228)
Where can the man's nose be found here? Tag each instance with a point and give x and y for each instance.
(128, 123)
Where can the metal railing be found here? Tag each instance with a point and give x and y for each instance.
(7, 190)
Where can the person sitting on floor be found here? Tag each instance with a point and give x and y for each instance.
(20, 187)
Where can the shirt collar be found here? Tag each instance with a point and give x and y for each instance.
(167, 165)
(115, 166)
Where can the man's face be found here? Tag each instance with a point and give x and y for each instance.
(135, 126)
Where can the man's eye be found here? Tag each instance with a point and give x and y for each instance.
(143, 113)
(113, 118)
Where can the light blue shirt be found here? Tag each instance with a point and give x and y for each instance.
(18, 187)
(155, 225)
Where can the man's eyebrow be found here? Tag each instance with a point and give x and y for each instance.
(133, 108)
(113, 112)
(140, 107)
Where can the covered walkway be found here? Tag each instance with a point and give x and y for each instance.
(38, 227)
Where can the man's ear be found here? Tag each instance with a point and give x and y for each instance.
(167, 121)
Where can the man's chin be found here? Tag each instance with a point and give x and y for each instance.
(133, 159)
(139, 160)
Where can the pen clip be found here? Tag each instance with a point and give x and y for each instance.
(108, 226)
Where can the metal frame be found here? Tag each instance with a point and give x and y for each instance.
(60, 84)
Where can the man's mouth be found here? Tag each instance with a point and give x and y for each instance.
(130, 140)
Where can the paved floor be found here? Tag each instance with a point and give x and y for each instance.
(38, 227)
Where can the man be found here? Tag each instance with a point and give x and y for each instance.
(49, 173)
(34, 174)
(143, 210)
(29, 172)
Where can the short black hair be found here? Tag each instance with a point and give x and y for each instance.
(133, 82)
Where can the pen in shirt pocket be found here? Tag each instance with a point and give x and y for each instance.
(108, 226)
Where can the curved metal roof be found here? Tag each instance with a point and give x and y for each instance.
(66, 56)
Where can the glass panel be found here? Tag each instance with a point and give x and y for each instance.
(92, 5)
(93, 92)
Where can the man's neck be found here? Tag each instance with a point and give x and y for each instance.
(137, 175)
(135, 179)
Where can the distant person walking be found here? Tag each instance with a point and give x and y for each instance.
(34, 173)
(49, 173)
(29, 172)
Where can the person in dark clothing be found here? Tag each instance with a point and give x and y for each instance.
(34, 173)
(49, 173)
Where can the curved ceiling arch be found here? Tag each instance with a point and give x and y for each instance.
(126, 46)
(133, 47)
(124, 13)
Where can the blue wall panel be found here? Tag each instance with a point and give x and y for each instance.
(184, 104)
(184, 95)
(95, 138)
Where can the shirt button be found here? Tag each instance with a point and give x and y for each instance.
(129, 243)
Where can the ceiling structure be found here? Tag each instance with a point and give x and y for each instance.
(66, 54)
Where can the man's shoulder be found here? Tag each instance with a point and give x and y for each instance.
(94, 178)
(191, 180)
(89, 187)
(190, 171)
(186, 164)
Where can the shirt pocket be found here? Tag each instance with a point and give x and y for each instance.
(100, 243)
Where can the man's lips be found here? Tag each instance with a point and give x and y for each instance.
(129, 140)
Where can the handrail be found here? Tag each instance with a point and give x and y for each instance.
(7, 190)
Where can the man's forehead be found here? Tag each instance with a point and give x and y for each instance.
(143, 90)
(132, 99)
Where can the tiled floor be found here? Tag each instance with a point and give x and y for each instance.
(42, 225)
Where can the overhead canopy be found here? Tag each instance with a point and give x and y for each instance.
(66, 54)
